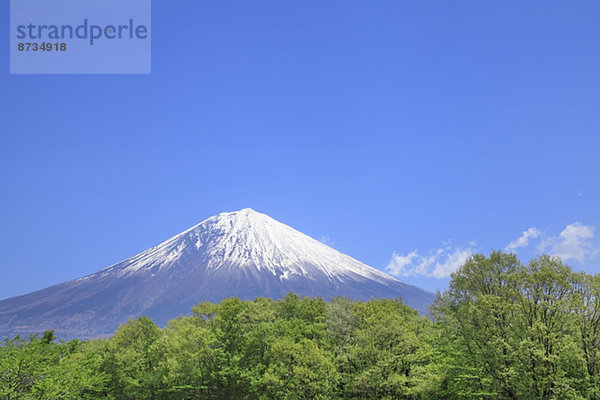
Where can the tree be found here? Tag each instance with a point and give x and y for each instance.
(513, 329)
(587, 311)
(131, 362)
(23, 364)
(77, 375)
(383, 357)
(298, 371)
(189, 360)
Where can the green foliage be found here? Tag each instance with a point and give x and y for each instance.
(77, 375)
(502, 330)
(516, 330)
(131, 362)
(189, 360)
(384, 352)
(298, 371)
(41, 369)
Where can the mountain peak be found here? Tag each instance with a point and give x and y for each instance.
(244, 212)
(241, 253)
(248, 214)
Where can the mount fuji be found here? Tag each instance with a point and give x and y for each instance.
(244, 253)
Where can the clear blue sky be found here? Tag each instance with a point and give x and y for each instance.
(404, 133)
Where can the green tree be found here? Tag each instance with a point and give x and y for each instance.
(513, 330)
(131, 362)
(383, 356)
(587, 311)
(23, 364)
(189, 360)
(298, 371)
(77, 375)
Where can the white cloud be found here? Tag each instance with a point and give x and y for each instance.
(439, 263)
(523, 240)
(573, 243)
(452, 262)
(400, 265)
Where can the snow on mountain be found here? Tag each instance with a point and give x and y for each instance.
(247, 239)
(244, 253)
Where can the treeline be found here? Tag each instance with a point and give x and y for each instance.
(503, 330)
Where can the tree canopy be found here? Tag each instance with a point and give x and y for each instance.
(502, 330)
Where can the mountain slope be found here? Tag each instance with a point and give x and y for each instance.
(245, 254)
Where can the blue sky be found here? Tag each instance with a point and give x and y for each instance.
(407, 134)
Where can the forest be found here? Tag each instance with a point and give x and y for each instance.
(502, 330)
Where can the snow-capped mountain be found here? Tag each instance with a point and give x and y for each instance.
(244, 253)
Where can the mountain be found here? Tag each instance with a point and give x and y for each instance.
(244, 253)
